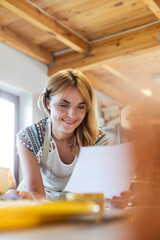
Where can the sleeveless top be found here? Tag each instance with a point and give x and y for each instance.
(55, 174)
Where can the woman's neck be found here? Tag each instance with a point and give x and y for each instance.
(61, 136)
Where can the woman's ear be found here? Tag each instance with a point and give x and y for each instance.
(47, 103)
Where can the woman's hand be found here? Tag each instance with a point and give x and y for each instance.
(120, 202)
(16, 194)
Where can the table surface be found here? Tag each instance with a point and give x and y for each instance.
(114, 225)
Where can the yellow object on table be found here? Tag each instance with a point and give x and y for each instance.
(3, 180)
(16, 214)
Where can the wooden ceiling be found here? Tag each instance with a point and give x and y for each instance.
(116, 43)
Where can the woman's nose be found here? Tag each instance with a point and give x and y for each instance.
(72, 112)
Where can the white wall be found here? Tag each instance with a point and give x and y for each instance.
(25, 77)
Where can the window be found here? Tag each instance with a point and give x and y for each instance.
(9, 126)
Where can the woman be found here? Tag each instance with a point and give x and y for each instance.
(48, 149)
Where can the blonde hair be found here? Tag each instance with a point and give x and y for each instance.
(87, 132)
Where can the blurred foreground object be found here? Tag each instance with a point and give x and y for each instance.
(144, 128)
(3, 180)
(11, 180)
(146, 133)
(6, 180)
(15, 214)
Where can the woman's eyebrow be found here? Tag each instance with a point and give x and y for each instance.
(82, 103)
(70, 103)
(63, 100)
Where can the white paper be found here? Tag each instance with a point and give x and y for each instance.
(107, 170)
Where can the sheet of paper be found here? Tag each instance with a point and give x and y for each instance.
(107, 170)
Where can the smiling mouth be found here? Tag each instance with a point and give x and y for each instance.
(69, 122)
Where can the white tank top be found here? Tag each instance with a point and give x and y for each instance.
(55, 174)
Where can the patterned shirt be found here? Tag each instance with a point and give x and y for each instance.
(32, 137)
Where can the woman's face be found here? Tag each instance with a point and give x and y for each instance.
(67, 114)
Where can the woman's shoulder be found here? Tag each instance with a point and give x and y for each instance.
(39, 127)
(102, 139)
(33, 136)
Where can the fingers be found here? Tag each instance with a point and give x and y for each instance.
(12, 194)
(25, 195)
(120, 202)
(16, 194)
(127, 194)
(116, 197)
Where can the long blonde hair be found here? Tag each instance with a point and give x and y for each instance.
(87, 132)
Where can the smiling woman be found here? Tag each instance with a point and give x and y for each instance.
(67, 114)
(48, 149)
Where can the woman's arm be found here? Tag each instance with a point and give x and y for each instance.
(31, 173)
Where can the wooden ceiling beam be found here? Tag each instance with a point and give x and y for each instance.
(45, 23)
(130, 82)
(134, 97)
(107, 50)
(10, 38)
(154, 6)
(116, 73)
(106, 88)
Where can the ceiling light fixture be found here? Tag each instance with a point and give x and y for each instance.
(146, 92)
(156, 78)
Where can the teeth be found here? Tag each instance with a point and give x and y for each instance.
(69, 122)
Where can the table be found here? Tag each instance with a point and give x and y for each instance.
(116, 225)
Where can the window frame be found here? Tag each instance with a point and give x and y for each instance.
(16, 101)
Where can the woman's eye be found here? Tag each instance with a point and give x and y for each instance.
(81, 107)
(63, 105)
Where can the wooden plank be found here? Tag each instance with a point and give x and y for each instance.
(110, 49)
(129, 95)
(97, 19)
(130, 83)
(154, 6)
(9, 37)
(106, 88)
(116, 73)
(47, 24)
